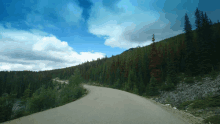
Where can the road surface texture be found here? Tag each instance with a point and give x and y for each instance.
(106, 106)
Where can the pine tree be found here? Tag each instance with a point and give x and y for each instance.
(171, 79)
(206, 47)
(198, 19)
(141, 84)
(152, 88)
(171, 71)
(190, 52)
(155, 63)
(131, 80)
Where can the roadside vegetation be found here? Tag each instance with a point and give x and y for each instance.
(44, 98)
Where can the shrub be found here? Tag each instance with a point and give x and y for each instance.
(6, 104)
(169, 85)
(42, 99)
(78, 92)
(184, 104)
(20, 113)
(76, 79)
(213, 74)
(213, 119)
(198, 78)
(189, 80)
(117, 84)
(126, 87)
(71, 93)
(200, 104)
(136, 91)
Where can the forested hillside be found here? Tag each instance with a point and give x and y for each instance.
(141, 70)
(193, 53)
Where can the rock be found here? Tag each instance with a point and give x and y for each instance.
(200, 110)
(185, 92)
(217, 111)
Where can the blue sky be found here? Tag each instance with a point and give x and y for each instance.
(42, 35)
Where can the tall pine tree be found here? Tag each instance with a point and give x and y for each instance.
(206, 46)
(190, 52)
(155, 70)
(155, 62)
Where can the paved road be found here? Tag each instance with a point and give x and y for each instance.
(104, 106)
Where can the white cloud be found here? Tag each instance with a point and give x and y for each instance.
(37, 50)
(104, 23)
(130, 27)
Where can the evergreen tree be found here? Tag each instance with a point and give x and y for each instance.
(171, 79)
(155, 63)
(190, 52)
(206, 47)
(210, 40)
(152, 88)
(197, 20)
(172, 73)
(131, 79)
(146, 74)
(141, 84)
(26, 96)
(210, 22)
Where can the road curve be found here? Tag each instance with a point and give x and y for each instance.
(104, 106)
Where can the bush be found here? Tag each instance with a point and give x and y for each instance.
(184, 104)
(126, 87)
(42, 99)
(213, 119)
(78, 92)
(6, 104)
(169, 85)
(189, 80)
(20, 113)
(135, 91)
(213, 74)
(76, 79)
(70, 93)
(200, 104)
(198, 78)
(117, 84)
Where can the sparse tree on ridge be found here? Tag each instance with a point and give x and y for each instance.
(154, 66)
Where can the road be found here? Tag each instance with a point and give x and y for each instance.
(104, 106)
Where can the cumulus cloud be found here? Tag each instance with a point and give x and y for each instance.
(37, 50)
